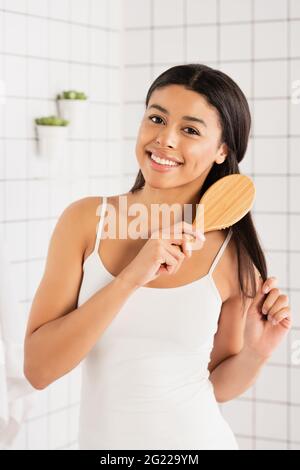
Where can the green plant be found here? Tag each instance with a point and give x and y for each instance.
(72, 95)
(51, 121)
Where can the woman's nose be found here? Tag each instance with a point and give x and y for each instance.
(167, 139)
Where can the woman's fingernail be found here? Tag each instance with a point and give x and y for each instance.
(188, 247)
(284, 316)
(266, 289)
(200, 235)
(274, 322)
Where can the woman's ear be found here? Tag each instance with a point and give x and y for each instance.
(222, 154)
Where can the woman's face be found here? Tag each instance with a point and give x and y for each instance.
(192, 142)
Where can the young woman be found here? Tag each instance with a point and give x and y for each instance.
(164, 333)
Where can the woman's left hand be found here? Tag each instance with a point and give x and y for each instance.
(260, 335)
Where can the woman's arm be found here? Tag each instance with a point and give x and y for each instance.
(59, 335)
(228, 355)
(236, 374)
(244, 342)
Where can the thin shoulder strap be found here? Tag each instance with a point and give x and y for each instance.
(100, 224)
(220, 252)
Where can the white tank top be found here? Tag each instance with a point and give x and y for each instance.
(145, 383)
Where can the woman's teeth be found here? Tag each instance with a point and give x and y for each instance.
(162, 161)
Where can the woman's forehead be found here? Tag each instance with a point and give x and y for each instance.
(177, 101)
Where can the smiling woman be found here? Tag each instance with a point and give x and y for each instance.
(150, 370)
(163, 336)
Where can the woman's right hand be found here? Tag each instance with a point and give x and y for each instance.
(161, 248)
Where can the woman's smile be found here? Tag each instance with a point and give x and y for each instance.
(160, 166)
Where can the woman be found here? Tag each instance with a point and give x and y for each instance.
(165, 333)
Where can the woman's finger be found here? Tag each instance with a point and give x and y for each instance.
(283, 314)
(269, 301)
(269, 284)
(281, 302)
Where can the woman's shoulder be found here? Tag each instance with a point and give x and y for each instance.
(79, 217)
(87, 210)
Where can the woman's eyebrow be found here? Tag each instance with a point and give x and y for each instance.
(186, 118)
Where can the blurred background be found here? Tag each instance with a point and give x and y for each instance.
(112, 50)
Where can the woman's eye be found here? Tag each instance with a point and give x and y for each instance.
(157, 117)
(196, 133)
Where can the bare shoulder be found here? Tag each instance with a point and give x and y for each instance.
(57, 293)
(85, 215)
(90, 209)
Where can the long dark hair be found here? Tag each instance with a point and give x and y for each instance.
(228, 99)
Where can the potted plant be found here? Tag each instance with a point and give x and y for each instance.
(72, 106)
(52, 133)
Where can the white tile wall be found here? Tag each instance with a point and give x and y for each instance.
(58, 429)
(14, 68)
(39, 8)
(270, 40)
(245, 443)
(59, 9)
(294, 270)
(141, 78)
(295, 419)
(234, 10)
(241, 73)
(270, 79)
(38, 433)
(270, 155)
(39, 87)
(294, 8)
(47, 47)
(79, 43)
(14, 33)
(240, 416)
(168, 12)
(137, 55)
(277, 263)
(294, 193)
(270, 117)
(98, 47)
(137, 14)
(201, 43)
(270, 9)
(295, 306)
(294, 117)
(38, 30)
(59, 40)
(264, 444)
(235, 42)
(62, 44)
(271, 420)
(266, 198)
(272, 229)
(272, 384)
(168, 45)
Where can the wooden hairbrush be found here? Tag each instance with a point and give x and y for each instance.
(224, 203)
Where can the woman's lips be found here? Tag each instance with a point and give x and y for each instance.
(161, 168)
